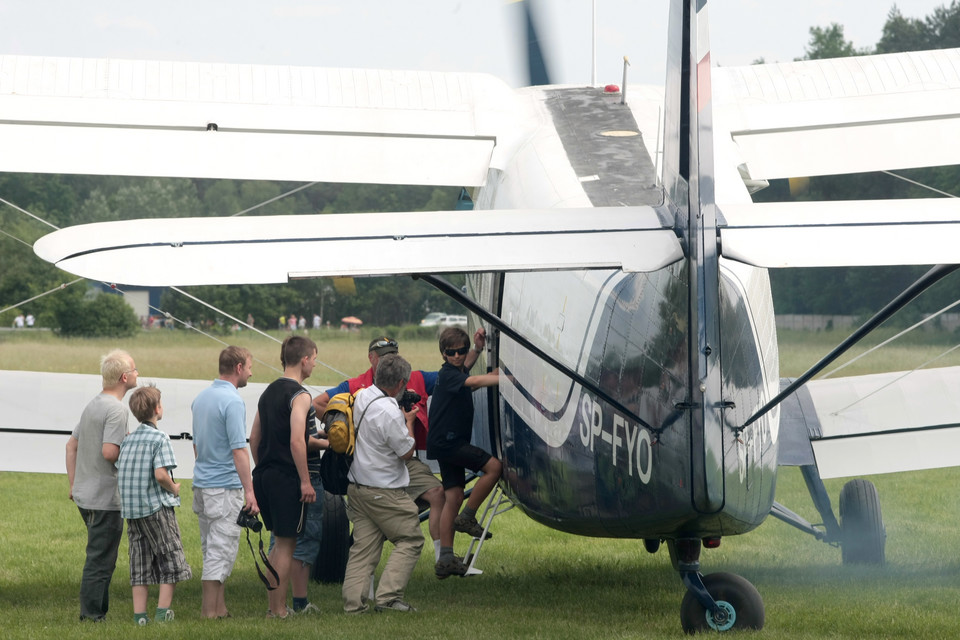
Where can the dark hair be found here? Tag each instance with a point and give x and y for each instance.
(392, 370)
(296, 348)
(231, 357)
(453, 337)
(144, 402)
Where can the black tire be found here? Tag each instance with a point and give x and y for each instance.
(732, 592)
(864, 537)
(331, 562)
(652, 545)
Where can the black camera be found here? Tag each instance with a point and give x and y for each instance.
(244, 519)
(408, 399)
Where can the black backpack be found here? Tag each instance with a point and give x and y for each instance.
(335, 466)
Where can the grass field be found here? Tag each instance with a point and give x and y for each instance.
(538, 583)
(186, 354)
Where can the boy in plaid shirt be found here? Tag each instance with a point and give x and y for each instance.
(148, 495)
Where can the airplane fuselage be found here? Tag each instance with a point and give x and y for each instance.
(571, 459)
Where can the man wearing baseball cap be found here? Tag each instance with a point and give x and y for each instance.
(424, 486)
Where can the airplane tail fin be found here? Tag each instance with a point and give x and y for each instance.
(688, 179)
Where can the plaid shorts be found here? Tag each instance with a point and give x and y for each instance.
(156, 552)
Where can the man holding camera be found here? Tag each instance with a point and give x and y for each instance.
(222, 481)
(424, 487)
(378, 504)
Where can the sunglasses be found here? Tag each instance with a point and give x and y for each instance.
(383, 342)
(462, 351)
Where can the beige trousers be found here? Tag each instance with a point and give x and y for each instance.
(379, 515)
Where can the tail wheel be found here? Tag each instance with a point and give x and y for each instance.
(739, 601)
(331, 563)
(861, 524)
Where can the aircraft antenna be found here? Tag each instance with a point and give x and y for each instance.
(892, 382)
(62, 285)
(593, 55)
(623, 85)
(892, 338)
(274, 199)
(919, 184)
(25, 212)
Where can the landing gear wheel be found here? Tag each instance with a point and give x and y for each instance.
(740, 603)
(861, 524)
(652, 545)
(331, 562)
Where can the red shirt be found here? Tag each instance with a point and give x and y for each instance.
(421, 425)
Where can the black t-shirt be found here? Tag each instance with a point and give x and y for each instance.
(275, 407)
(451, 412)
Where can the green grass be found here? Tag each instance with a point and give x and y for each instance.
(800, 350)
(538, 583)
(185, 354)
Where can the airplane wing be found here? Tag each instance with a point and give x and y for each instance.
(845, 115)
(274, 249)
(183, 119)
(824, 117)
(879, 423)
(845, 233)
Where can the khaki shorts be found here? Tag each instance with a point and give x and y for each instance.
(421, 478)
(217, 511)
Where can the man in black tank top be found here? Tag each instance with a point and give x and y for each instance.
(278, 441)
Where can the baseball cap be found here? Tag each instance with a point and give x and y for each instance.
(382, 346)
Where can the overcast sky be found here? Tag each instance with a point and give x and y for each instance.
(468, 35)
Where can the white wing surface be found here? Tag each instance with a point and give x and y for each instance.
(126, 117)
(846, 115)
(884, 423)
(843, 233)
(274, 249)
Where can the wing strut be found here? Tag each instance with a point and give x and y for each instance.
(926, 281)
(454, 292)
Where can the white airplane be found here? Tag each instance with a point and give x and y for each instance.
(616, 257)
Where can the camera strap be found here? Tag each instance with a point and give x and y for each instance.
(266, 562)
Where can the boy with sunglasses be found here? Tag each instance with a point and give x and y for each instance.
(448, 442)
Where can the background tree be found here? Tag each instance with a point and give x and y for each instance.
(829, 42)
(863, 290)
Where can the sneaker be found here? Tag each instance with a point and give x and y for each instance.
(396, 605)
(144, 621)
(467, 524)
(449, 567)
(308, 610)
(358, 612)
(84, 618)
(166, 617)
(286, 614)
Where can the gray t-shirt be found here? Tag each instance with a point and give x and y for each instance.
(104, 420)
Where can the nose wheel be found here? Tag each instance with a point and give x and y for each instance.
(736, 604)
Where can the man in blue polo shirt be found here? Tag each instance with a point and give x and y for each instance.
(222, 482)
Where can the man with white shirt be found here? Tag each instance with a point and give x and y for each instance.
(378, 503)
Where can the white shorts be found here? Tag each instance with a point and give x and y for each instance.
(217, 511)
